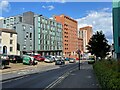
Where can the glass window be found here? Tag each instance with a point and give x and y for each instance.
(0, 33)
(24, 27)
(11, 19)
(30, 35)
(38, 24)
(4, 21)
(20, 19)
(11, 35)
(39, 30)
(38, 18)
(38, 35)
(0, 41)
(11, 49)
(11, 41)
(14, 27)
(14, 18)
(30, 28)
(0, 48)
(7, 20)
(38, 41)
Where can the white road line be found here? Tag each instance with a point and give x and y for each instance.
(60, 79)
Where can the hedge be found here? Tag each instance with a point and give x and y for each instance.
(107, 74)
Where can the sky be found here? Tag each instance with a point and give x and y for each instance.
(96, 14)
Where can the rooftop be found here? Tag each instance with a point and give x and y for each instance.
(8, 30)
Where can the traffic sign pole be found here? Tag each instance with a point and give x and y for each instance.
(79, 61)
(78, 52)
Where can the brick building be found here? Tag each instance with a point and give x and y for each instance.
(85, 34)
(70, 38)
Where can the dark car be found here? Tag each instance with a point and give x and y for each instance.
(4, 61)
(59, 61)
(15, 59)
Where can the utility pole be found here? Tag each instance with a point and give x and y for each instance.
(79, 61)
(78, 52)
(33, 35)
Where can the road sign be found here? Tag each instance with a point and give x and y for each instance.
(78, 51)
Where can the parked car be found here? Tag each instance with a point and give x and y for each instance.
(4, 61)
(29, 60)
(35, 56)
(48, 59)
(72, 60)
(15, 59)
(59, 61)
(40, 58)
(67, 59)
(91, 60)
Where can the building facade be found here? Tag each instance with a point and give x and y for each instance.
(36, 33)
(116, 27)
(85, 34)
(48, 36)
(70, 38)
(23, 29)
(8, 41)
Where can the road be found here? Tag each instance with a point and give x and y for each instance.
(83, 78)
(40, 79)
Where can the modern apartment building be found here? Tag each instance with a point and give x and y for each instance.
(85, 34)
(116, 27)
(8, 41)
(48, 36)
(23, 28)
(36, 33)
(70, 38)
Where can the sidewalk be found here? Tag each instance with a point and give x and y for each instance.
(20, 66)
(84, 78)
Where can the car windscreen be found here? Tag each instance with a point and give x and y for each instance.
(47, 57)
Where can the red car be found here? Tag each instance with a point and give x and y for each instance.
(35, 56)
(39, 58)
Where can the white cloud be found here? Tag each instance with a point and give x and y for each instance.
(99, 20)
(4, 6)
(51, 7)
(1, 18)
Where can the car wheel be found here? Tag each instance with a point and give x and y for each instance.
(30, 62)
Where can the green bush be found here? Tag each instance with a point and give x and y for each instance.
(107, 74)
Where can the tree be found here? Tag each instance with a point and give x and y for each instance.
(98, 45)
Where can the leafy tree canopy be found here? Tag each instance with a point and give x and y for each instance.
(98, 45)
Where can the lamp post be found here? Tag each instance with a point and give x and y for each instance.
(78, 52)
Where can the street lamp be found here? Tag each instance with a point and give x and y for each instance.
(78, 52)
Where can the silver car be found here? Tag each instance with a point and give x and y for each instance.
(72, 60)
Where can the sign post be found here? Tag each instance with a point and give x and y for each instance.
(78, 52)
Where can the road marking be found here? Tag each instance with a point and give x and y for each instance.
(57, 81)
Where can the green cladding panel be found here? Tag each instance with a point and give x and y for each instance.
(116, 26)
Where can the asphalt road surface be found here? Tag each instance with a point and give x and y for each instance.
(40, 79)
(83, 78)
